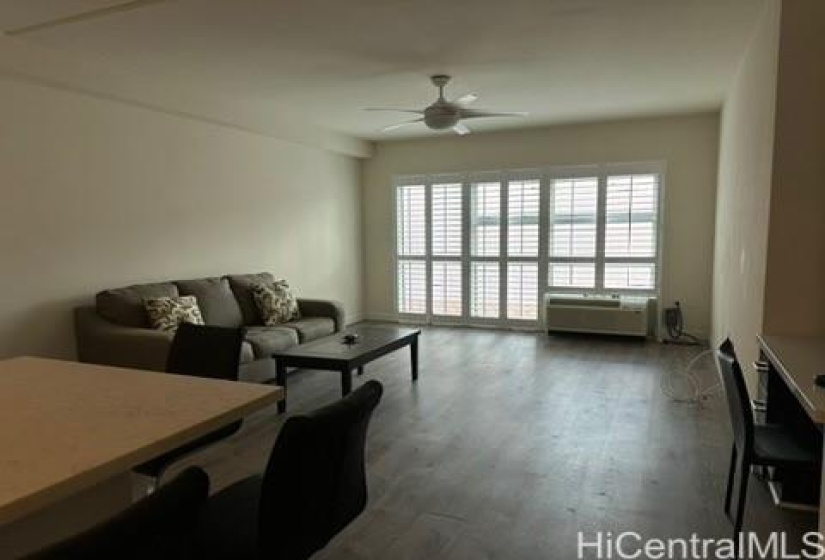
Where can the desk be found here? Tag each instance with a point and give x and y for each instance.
(68, 428)
(792, 364)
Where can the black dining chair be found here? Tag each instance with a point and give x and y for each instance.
(200, 351)
(314, 485)
(160, 526)
(766, 445)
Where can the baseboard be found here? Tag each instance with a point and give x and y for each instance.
(381, 317)
(354, 319)
(393, 318)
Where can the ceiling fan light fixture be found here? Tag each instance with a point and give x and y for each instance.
(440, 117)
(443, 114)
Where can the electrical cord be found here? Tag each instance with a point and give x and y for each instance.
(697, 392)
(674, 322)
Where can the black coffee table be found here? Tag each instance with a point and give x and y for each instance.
(332, 353)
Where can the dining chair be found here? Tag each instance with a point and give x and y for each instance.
(159, 526)
(767, 445)
(313, 486)
(201, 351)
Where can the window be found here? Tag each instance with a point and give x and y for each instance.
(486, 217)
(603, 234)
(446, 210)
(483, 248)
(412, 249)
(572, 232)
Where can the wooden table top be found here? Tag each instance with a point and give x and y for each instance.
(66, 426)
(798, 360)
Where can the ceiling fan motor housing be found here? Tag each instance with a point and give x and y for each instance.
(441, 116)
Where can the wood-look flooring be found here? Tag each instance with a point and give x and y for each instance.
(511, 443)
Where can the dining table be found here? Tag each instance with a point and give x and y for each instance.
(71, 432)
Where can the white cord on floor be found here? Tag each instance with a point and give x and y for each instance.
(697, 393)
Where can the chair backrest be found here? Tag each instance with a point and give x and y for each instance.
(206, 351)
(736, 393)
(315, 482)
(159, 526)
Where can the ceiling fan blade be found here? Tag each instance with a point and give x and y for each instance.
(461, 129)
(126, 6)
(399, 125)
(475, 113)
(466, 99)
(395, 109)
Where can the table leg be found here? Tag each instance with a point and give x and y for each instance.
(280, 379)
(821, 521)
(346, 381)
(414, 357)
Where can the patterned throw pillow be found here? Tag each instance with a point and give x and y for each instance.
(276, 303)
(166, 313)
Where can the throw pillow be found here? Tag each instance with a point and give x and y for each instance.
(276, 303)
(166, 313)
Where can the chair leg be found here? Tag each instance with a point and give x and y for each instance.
(731, 475)
(744, 474)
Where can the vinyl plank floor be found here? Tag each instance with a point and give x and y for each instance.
(511, 443)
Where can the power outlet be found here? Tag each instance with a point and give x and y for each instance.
(673, 316)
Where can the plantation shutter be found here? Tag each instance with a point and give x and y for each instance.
(572, 232)
(446, 209)
(631, 226)
(411, 235)
(523, 201)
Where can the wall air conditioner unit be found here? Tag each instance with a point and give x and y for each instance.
(596, 314)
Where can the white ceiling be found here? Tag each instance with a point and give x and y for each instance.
(325, 60)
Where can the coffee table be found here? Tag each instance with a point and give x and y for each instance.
(332, 353)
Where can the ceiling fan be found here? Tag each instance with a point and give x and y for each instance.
(443, 114)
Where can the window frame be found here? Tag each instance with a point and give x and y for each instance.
(545, 176)
(600, 260)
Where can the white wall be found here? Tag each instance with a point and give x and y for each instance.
(687, 143)
(743, 205)
(99, 194)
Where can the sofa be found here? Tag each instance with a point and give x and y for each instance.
(116, 330)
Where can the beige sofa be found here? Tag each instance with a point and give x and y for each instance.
(115, 331)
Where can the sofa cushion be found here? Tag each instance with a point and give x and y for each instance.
(310, 328)
(267, 340)
(167, 313)
(124, 306)
(247, 353)
(275, 302)
(241, 285)
(215, 299)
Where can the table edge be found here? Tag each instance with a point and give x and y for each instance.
(782, 369)
(31, 503)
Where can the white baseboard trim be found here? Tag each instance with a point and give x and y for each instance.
(382, 317)
(354, 319)
(393, 318)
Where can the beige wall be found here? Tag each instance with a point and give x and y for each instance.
(745, 152)
(687, 143)
(770, 249)
(795, 284)
(98, 194)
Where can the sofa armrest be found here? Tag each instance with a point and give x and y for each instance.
(100, 341)
(323, 308)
